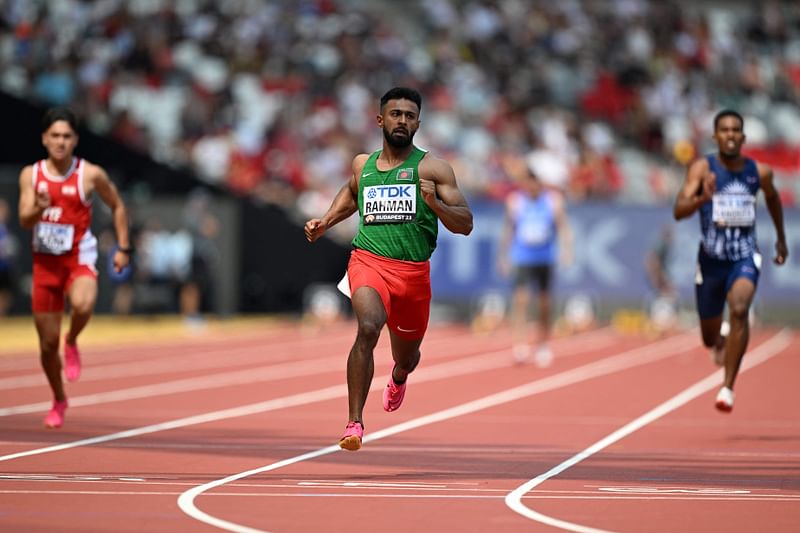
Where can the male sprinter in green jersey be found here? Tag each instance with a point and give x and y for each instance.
(400, 193)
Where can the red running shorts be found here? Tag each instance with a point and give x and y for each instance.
(404, 288)
(52, 277)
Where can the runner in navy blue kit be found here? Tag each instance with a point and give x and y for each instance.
(723, 187)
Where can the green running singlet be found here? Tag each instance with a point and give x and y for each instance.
(394, 220)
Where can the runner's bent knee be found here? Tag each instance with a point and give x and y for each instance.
(739, 309)
(49, 345)
(369, 329)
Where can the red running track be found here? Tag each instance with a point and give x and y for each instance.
(238, 433)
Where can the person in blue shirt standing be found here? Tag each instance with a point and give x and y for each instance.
(723, 188)
(535, 222)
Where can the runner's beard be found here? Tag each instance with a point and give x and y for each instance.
(398, 141)
(731, 153)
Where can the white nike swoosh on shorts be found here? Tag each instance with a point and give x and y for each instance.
(405, 330)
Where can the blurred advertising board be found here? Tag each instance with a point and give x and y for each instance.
(611, 243)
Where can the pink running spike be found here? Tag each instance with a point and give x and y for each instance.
(353, 433)
(55, 418)
(72, 358)
(393, 394)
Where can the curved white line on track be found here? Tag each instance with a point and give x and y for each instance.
(629, 359)
(762, 353)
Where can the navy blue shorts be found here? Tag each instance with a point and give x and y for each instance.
(539, 276)
(715, 277)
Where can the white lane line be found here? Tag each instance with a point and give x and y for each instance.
(209, 357)
(262, 374)
(179, 346)
(488, 361)
(420, 489)
(762, 353)
(225, 379)
(273, 372)
(629, 359)
(394, 496)
(381, 486)
(205, 359)
(198, 359)
(673, 490)
(304, 398)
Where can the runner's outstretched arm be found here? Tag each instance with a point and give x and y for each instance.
(697, 189)
(344, 204)
(31, 203)
(773, 201)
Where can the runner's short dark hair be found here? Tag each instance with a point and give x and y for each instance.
(54, 114)
(404, 93)
(727, 113)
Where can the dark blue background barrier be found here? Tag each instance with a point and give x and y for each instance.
(611, 243)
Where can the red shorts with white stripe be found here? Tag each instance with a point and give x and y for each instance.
(404, 288)
(53, 275)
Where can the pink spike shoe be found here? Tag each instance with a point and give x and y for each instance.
(393, 394)
(353, 433)
(55, 418)
(72, 359)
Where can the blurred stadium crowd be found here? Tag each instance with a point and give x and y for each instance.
(606, 99)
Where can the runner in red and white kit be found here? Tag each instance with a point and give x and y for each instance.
(55, 202)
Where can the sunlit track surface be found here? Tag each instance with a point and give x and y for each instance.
(241, 423)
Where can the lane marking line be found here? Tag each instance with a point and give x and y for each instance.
(272, 372)
(629, 359)
(448, 369)
(204, 358)
(207, 357)
(394, 496)
(420, 490)
(762, 353)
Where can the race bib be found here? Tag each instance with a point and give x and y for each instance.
(534, 232)
(390, 203)
(733, 209)
(54, 239)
